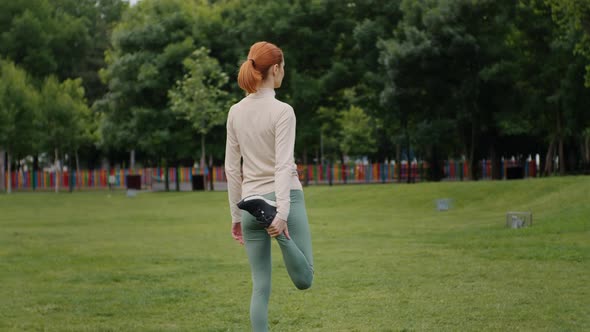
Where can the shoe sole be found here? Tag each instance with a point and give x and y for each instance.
(243, 205)
(269, 202)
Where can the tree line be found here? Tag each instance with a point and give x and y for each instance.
(386, 79)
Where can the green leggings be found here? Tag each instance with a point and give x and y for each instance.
(296, 254)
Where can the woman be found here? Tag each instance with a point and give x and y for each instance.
(261, 132)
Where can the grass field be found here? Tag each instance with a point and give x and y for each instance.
(385, 260)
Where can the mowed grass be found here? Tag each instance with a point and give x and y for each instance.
(385, 260)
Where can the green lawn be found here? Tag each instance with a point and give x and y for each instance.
(385, 260)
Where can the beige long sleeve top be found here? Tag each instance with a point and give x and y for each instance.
(261, 132)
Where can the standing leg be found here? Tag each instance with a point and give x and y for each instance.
(257, 243)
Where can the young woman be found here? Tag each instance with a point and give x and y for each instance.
(261, 133)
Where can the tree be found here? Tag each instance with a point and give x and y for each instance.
(376, 21)
(407, 74)
(357, 132)
(573, 18)
(549, 77)
(149, 46)
(19, 119)
(199, 97)
(64, 118)
(27, 28)
(42, 39)
(83, 123)
(331, 133)
(66, 38)
(94, 21)
(439, 67)
(317, 70)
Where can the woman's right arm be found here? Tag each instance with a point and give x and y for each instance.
(233, 171)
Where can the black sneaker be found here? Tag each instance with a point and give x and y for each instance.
(262, 209)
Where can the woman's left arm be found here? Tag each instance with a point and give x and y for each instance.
(233, 171)
(284, 147)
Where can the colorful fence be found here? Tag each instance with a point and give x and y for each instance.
(459, 170)
(456, 170)
(361, 173)
(529, 168)
(310, 174)
(100, 179)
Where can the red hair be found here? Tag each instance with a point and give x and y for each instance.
(254, 70)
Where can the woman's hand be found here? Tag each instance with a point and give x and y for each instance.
(278, 227)
(236, 232)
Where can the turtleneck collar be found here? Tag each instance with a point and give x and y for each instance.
(263, 93)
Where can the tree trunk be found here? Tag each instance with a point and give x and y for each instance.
(2, 176)
(549, 158)
(560, 144)
(434, 165)
(540, 166)
(398, 158)
(572, 158)
(495, 163)
(472, 163)
(57, 166)
(9, 181)
(587, 152)
(561, 157)
(330, 174)
(321, 149)
(211, 173)
(306, 175)
(78, 170)
(132, 162)
(177, 178)
(344, 168)
(203, 161)
(35, 170)
(317, 156)
(70, 174)
(166, 176)
(473, 169)
(407, 138)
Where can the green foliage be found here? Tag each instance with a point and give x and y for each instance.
(573, 17)
(330, 128)
(357, 132)
(66, 117)
(149, 46)
(65, 38)
(199, 98)
(27, 30)
(549, 73)
(319, 53)
(19, 117)
(96, 19)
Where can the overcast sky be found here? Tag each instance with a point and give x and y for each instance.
(133, 2)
